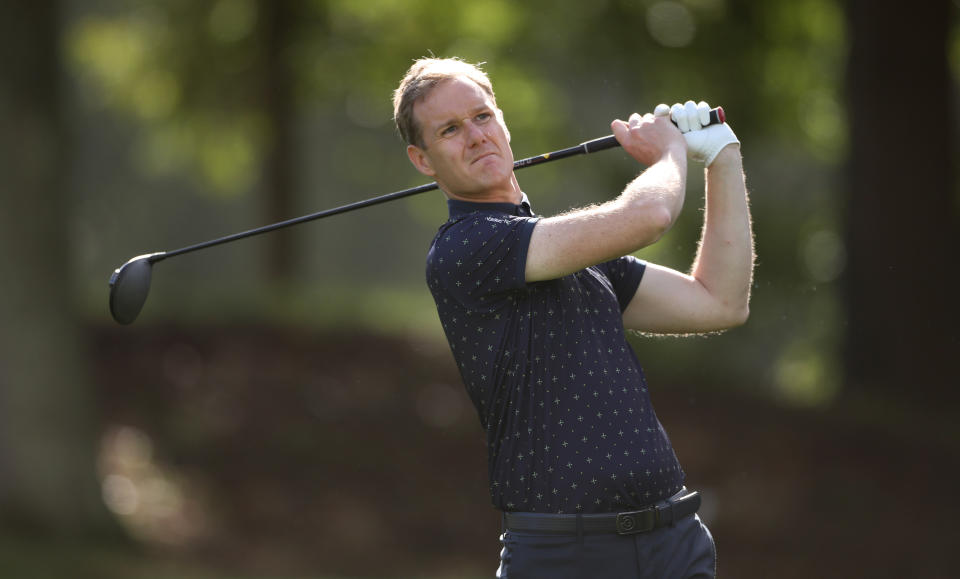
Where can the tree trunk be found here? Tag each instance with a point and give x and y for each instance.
(278, 174)
(903, 333)
(48, 434)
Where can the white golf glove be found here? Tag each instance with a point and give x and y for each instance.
(703, 142)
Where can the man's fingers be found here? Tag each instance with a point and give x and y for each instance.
(693, 116)
(690, 116)
(635, 120)
(679, 118)
(703, 111)
(620, 130)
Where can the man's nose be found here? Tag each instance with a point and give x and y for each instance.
(475, 132)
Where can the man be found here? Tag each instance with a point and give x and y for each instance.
(535, 311)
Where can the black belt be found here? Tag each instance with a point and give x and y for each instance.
(683, 504)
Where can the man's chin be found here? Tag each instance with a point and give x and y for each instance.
(492, 170)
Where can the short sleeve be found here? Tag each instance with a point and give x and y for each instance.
(624, 274)
(479, 256)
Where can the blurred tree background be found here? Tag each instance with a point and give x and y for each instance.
(286, 405)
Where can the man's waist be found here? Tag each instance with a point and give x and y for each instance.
(683, 504)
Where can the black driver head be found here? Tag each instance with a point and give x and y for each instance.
(129, 286)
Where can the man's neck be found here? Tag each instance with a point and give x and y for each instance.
(508, 194)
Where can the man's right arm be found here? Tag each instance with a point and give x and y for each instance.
(643, 212)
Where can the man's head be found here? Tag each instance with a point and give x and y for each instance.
(446, 111)
(423, 77)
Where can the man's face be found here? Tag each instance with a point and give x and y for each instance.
(466, 143)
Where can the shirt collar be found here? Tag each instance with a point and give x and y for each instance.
(459, 208)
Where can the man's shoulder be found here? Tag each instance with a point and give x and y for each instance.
(479, 225)
(479, 243)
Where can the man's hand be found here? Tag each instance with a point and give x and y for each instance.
(648, 138)
(703, 142)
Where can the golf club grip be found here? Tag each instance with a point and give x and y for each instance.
(717, 116)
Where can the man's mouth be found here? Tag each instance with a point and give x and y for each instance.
(483, 156)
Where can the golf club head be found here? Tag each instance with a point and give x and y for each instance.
(129, 286)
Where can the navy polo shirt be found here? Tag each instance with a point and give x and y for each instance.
(569, 422)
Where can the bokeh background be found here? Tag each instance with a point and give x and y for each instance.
(286, 406)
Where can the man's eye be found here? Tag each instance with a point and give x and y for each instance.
(484, 117)
(449, 130)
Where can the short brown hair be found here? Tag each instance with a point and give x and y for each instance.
(423, 76)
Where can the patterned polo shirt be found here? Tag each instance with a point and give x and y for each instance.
(569, 422)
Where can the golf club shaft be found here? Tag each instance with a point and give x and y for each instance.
(592, 146)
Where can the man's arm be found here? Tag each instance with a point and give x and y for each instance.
(643, 212)
(716, 293)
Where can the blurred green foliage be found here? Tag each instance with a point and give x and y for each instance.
(188, 71)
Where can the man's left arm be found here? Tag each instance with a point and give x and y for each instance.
(715, 295)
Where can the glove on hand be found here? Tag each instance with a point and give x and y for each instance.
(703, 142)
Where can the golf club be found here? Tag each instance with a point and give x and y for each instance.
(130, 283)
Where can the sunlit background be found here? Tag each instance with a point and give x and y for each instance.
(286, 406)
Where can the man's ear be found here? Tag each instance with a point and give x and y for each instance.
(420, 160)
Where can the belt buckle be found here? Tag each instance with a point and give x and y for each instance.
(633, 522)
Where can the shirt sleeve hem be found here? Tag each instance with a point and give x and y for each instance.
(631, 283)
(524, 243)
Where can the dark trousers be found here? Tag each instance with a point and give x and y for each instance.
(684, 550)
